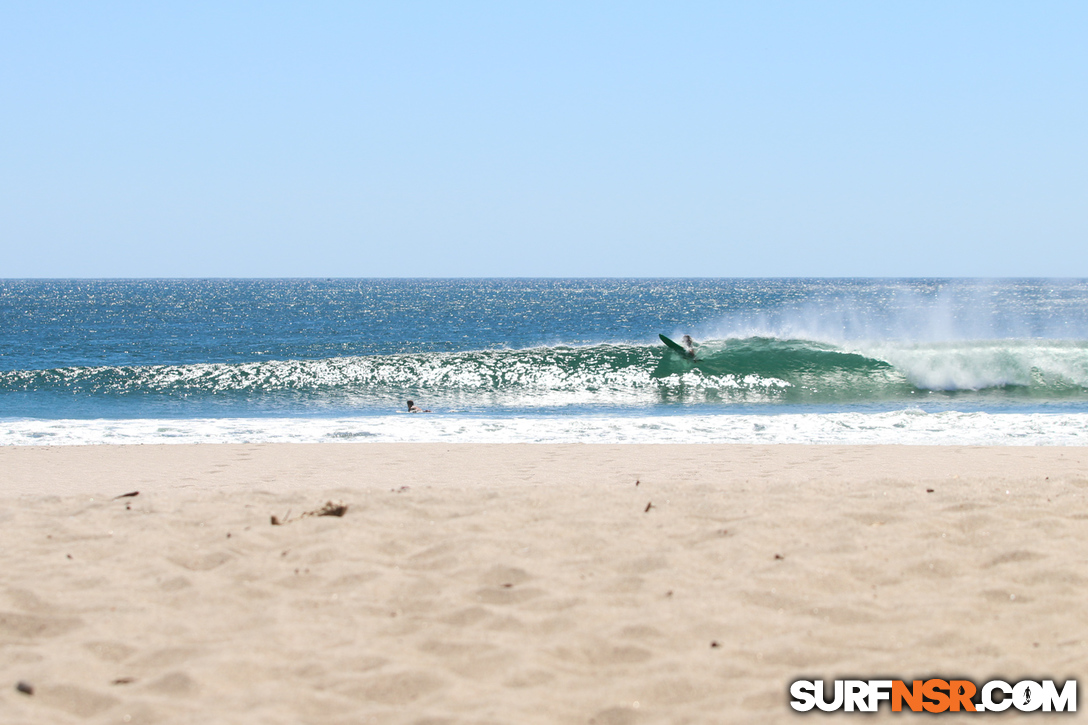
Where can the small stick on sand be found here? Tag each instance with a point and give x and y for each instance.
(331, 508)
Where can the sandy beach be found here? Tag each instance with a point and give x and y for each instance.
(526, 583)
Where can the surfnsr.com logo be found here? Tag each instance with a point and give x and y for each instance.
(934, 695)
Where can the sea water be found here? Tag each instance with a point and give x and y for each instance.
(927, 361)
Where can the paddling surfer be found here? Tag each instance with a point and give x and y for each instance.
(413, 408)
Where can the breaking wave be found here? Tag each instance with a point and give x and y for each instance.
(752, 371)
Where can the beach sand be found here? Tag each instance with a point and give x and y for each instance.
(526, 583)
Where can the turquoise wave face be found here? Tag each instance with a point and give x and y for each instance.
(817, 372)
(769, 357)
(751, 371)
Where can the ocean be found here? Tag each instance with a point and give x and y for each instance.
(916, 361)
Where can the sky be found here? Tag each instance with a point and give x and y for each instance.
(519, 139)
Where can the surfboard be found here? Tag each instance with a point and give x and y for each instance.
(675, 346)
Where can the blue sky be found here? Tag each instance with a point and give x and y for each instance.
(543, 139)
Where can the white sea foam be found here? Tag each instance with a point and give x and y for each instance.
(986, 364)
(908, 426)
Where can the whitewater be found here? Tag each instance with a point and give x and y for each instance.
(778, 361)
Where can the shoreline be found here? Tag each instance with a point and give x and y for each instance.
(475, 582)
(907, 426)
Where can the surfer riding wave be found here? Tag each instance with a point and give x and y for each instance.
(686, 350)
(689, 345)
